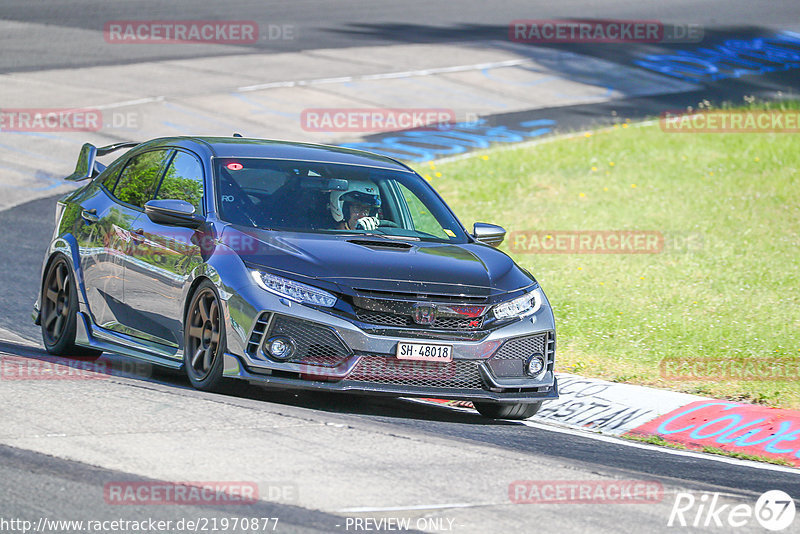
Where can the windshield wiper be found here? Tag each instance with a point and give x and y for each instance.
(399, 237)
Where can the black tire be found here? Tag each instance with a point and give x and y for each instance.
(59, 309)
(496, 410)
(204, 340)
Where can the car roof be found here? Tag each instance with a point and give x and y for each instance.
(245, 147)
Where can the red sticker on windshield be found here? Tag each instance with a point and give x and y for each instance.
(235, 166)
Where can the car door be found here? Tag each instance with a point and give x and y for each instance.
(107, 240)
(96, 220)
(165, 256)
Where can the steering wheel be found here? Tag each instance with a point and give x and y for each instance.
(387, 224)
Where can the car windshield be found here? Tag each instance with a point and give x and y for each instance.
(331, 198)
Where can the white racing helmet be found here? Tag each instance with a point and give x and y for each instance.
(363, 192)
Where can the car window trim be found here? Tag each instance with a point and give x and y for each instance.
(116, 172)
(160, 176)
(171, 158)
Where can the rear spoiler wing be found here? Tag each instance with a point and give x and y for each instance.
(87, 166)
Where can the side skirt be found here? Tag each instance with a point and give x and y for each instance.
(94, 337)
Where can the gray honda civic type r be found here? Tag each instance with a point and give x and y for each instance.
(291, 265)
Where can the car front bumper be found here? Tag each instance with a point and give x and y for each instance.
(234, 368)
(341, 354)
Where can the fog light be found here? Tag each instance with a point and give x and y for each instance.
(535, 365)
(280, 348)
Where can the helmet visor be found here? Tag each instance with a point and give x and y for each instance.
(373, 201)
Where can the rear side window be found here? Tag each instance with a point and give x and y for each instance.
(137, 181)
(111, 180)
(183, 180)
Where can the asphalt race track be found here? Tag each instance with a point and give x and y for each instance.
(340, 24)
(327, 462)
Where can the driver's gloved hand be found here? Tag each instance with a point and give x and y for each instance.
(367, 223)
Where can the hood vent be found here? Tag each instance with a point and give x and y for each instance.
(393, 245)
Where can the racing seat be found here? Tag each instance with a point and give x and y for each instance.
(235, 206)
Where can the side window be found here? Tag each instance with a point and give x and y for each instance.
(183, 181)
(138, 179)
(424, 221)
(111, 180)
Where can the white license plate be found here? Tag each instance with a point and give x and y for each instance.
(428, 352)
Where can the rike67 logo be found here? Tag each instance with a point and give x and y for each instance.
(774, 510)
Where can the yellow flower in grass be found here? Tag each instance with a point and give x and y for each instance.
(438, 174)
(581, 195)
(594, 169)
(633, 186)
(427, 177)
(485, 157)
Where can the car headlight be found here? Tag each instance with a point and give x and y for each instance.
(527, 304)
(293, 290)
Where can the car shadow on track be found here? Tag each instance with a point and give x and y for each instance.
(367, 405)
(20, 361)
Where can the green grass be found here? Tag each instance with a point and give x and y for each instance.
(658, 440)
(733, 295)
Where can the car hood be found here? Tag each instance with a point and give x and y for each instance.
(380, 264)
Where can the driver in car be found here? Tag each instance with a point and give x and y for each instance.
(357, 207)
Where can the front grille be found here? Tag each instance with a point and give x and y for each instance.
(314, 344)
(522, 347)
(509, 360)
(400, 320)
(421, 297)
(460, 374)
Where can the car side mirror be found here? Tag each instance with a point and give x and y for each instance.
(490, 234)
(173, 212)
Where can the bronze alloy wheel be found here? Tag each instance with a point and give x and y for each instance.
(205, 339)
(59, 309)
(56, 302)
